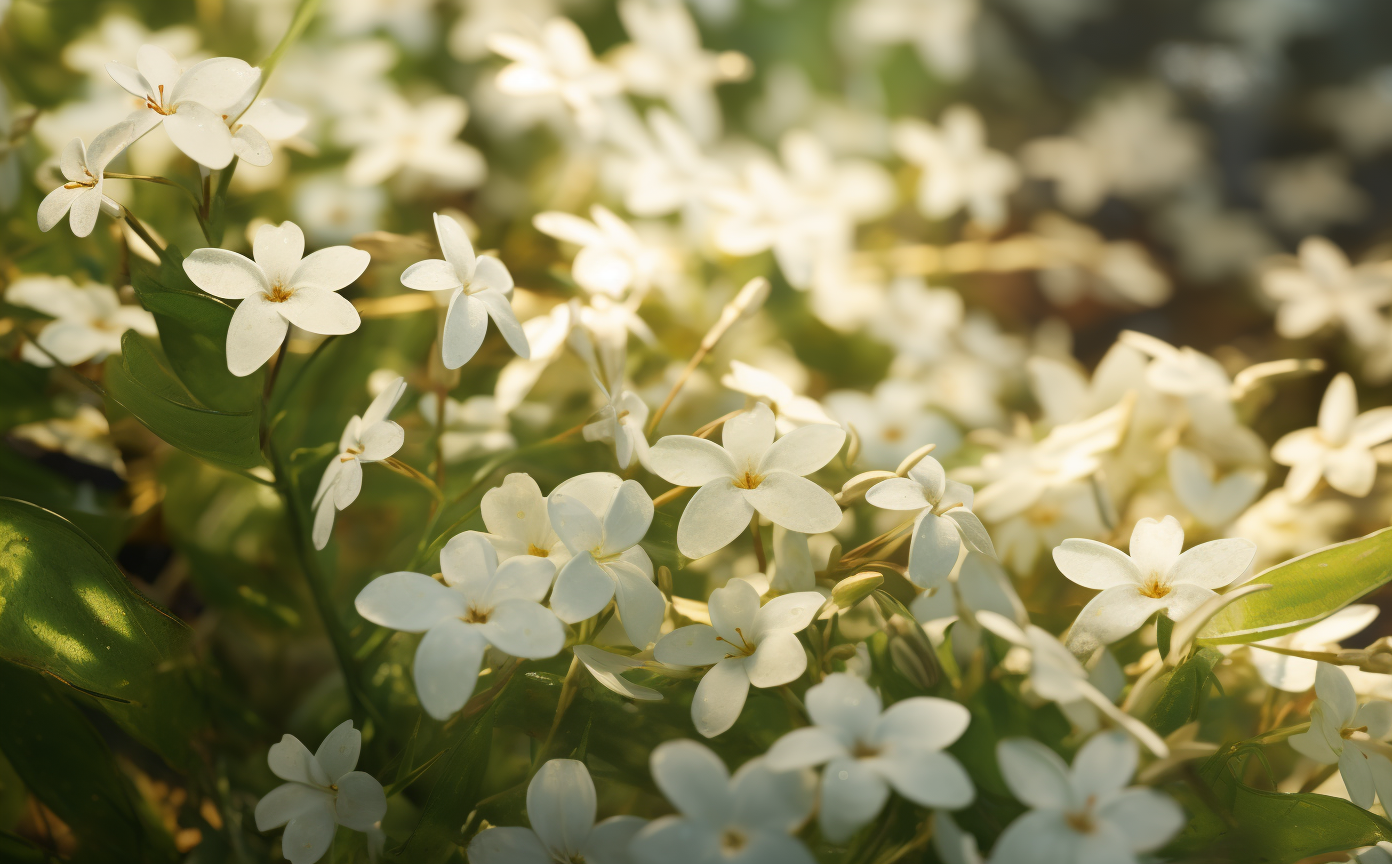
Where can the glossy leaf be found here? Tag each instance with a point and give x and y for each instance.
(65, 609)
(1305, 590)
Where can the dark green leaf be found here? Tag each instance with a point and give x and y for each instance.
(25, 389)
(65, 609)
(1184, 692)
(454, 796)
(1164, 627)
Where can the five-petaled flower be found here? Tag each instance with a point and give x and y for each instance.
(369, 438)
(84, 170)
(945, 516)
(1339, 448)
(1341, 731)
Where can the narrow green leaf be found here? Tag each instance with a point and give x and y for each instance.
(1185, 692)
(454, 796)
(1164, 628)
(1305, 590)
(66, 610)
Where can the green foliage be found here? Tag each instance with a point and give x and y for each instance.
(1186, 689)
(454, 796)
(66, 610)
(25, 390)
(1305, 590)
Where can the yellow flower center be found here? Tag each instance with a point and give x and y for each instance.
(279, 293)
(748, 480)
(1155, 587)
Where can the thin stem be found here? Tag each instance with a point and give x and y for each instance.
(859, 551)
(562, 704)
(402, 468)
(148, 178)
(140, 232)
(676, 387)
(758, 544)
(795, 703)
(669, 495)
(300, 373)
(303, 15)
(709, 429)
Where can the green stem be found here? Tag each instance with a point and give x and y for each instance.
(148, 178)
(140, 232)
(303, 15)
(277, 401)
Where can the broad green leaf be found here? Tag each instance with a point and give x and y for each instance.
(1305, 590)
(1185, 692)
(456, 792)
(25, 390)
(193, 333)
(96, 511)
(141, 382)
(65, 609)
(66, 764)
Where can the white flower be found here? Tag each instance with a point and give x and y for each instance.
(1082, 814)
(265, 121)
(1341, 731)
(395, 136)
(600, 518)
(745, 819)
(81, 197)
(1155, 577)
(561, 806)
(481, 603)
(474, 427)
(192, 104)
(85, 436)
(1324, 289)
(1283, 528)
(280, 287)
(959, 170)
(868, 751)
(750, 473)
(1297, 674)
(892, 422)
(369, 438)
(612, 257)
(939, 30)
(1215, 500)
(559, 64)
(621, 420)
(482, 289)
(518, 523)
(324, 792)
(608, 668)
(918, 321)
(1339, 448)
(744, 644)
(792, 409)
(946, 516)
(792, 568)
(88, 321)
(981, 584)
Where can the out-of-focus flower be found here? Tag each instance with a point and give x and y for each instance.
(423, 139)
(892, 422)
(369, 438)
(324, 792)
(481, 288)
(81, 198)
(559, 63)
(939, 30)
(944, 523)
(189, 103)
(561, 806)
(89, 320)
(918, 321)
(473, 427)
(1082, 263)
(959, 170)
(868, 751)
(791, 409)
(264, 122)
(1343, 732)
(745, 644)
(612, 258)
(980, 585)
(84, 436)
(1283, 528)
(1297, 674)
(750, 473)
(331, 211)
(480, 603)
(1323, 289)
(1215, 500)
(278, 286)
(745, 819)
(1310, 194)
(519, 523)
(621, 420)
(1339, 449)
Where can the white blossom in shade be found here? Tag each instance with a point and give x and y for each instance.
(1067, 395)
(88, 320)
(1214, 499)
(620, 421)
(473, 427)
(953, 845)
(939, 30)
(600, 518)
(1155, 577)
(980, 585)
(559, 63)
(1339, 448)
(892, 422)
(480, 603)
(1085, 813)
(518, 523)
(669, 172)
(1297, 674)
(1058, 514)
(81, 198)
(1120, 272)
(744, 819)
(394, 136)
(792, 568)
(744, 644)
(1323, 288)
(917, 320)
(481, 288)
(750, 473)
(192, 104)
(256, 126)
(324, 792)
(959, 170)
(1283, 528)
(278, 286)
(561, 805)
(608, 668)
(792, 410)
(1343, 732)
(944, 522)
(612, 259)
(85, 436)
(369, 438)
(869, 750)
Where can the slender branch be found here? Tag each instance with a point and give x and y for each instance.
(140, 232)
(568, 690)
(669, 495)
(303, 15)
(149, 178)
(406, 470)
(300, 373)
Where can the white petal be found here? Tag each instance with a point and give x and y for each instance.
(852, 795)
(674, 840)
(694, 780)
(275, 118)
(561, 806)
(690, 461)
(933, 551)
(381, 440)
(55, 206)
(1115, 613)
(431, 275)
(201, 134)
(1096, 565)
(778, 660)
(516, 510)
(846, 703)
(287, 802)
(926, 777)
(308, 836)
(489, 272)
(383, 403)
(692, 645)
(109, 143)
(576, 524)
(1147, 817)
(1334, 689)
(72, 161)
(278, 250)
(804, 449)
(217, 83)
(86, 206)
(250, 146)
(319, 311)
(568, 227)
(331, 269)
(1038, 837)
(748, 435)
(338, 752)
(640, 603)
(607, 669)
(720, 697)
(466, 323)
(922, 722)
(223, 273)
(610, 840)
(1377, 717)
(789, 613)
(447, 666)
(522, 577)
(1214, 564)
(795, 502)
(1358, 777)
(361, 801)
(323, 522)
(715, 516)
(410, 602)
(524, 629)
(734, 610)
(349, 483)
(508, 846)
(897, 493)
(291, 760)
(1104, 765)
(255, 334)
(1338, 409)
(805, 748)
(1035, 774)
(1370, 429)
(1156, 545)
(158, 66)
(627, 520)
(129, 80)
(500, 310)
(1350, 470)
(582, 589)
(454, 242)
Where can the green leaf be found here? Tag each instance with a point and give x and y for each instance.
(1164, 628)
(66, 610)
(1185, 691)
(193, 333)
(1305, 590)
(454, 796)
(26, 394)
(66, 764)
(141, 382)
